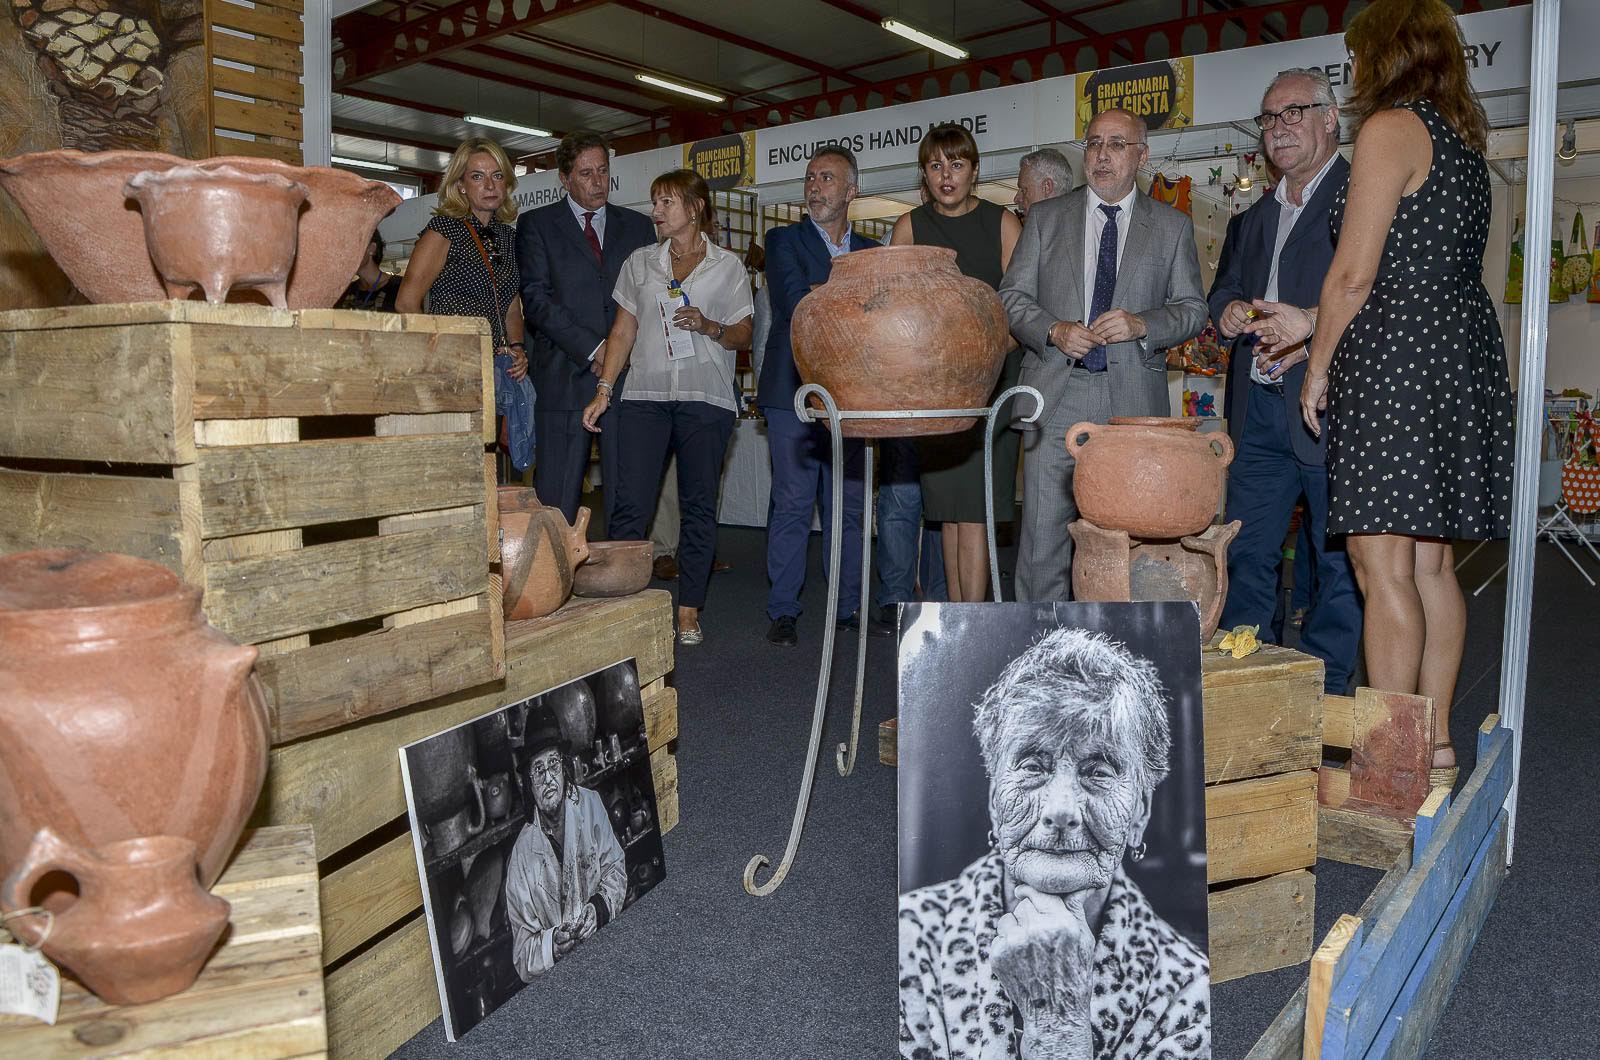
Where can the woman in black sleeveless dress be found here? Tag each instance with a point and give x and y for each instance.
(982, 234)
(1407, 352)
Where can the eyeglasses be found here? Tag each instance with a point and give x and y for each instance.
(1291, 115)
(1116, 145)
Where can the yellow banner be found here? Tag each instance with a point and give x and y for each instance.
(725, 161)
(1162, 93)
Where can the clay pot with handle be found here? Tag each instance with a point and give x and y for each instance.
(141, 926)
(1151, 481)
(122, 713)
(538, 553)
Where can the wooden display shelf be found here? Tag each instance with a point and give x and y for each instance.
(321, 474)
(259, 996)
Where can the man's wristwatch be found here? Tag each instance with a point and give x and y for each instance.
(722, 329)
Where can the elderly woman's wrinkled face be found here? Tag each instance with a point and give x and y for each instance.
(1065, 808)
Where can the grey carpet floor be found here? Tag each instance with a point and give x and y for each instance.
(697, 968)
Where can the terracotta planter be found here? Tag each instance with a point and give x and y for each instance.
(614, 568)
(900, 328)
(219, 228)
(1153, 482)
(1108, 565)
(538, 553)
(141, 926)
(1176, 423)
(76, 204)
(122, 713)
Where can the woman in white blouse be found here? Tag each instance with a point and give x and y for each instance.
(683, 308)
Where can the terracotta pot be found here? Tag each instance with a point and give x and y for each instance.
(141, 926)
(617, 698)
(218, 228)
(1108, 565)
(76, 204)
(614, 568)
(573, 706)
(1177, 423)
(897, 329)
(538, 553)
(105, 662)
(1153, 482)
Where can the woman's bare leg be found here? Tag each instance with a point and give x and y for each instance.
(951, 537)
(1446, 619)
(1395, 628)
(974, 561)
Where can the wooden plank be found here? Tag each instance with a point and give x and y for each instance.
(383, 997)
(889, 742)
(295, 6)
(1391, 749)
(222, 145)
(112, 394)
(1262, 925)
(1358, 835)
(347, 782)
(326, 585)
(1395, 940)
(245, 372)
(1429, 816)
(273, 55)
(1261, 826)
(250, 488)
(1262, 713)
(664, 774)
(368, 895)
(152, 518)
(327, 685)
(249, 83)
(1338, 721)
(263, 118)
(124, 314)
(262, 21)
(661, 718)
(1281, 1039)
(1333, 956)
(1423, 999)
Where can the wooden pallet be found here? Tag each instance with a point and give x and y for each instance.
(254, 61)
(321, 474)
(260, 995)
(380, 980)
(1368, 807)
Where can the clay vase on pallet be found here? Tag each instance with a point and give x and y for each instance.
(897, 329)
(1109, 566)
(218, 228)
(141, 925)
(1152, 482)
(538, 553)
(614, 568)
(122, 713)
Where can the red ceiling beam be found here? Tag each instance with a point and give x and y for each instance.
(379, 97)
(518, 81)
(1077, 25)
(382, 136)
(630, 87)
(440, 32)
(718, 33)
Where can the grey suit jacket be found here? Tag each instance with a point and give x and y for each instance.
(1158, 279)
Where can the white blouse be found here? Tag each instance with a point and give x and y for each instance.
(720, 288)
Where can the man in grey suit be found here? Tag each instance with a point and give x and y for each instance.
(1101, 282)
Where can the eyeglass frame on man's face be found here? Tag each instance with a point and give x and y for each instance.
(1267, 119)
(1116, 145)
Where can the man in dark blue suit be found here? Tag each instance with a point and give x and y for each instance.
(799, 257)
(569, 254)
(1279, 251)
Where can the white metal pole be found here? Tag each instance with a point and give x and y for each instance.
(1537, 211)
(316, 137)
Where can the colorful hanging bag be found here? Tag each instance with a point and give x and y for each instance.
(1580, 475)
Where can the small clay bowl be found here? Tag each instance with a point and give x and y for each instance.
(615, 568)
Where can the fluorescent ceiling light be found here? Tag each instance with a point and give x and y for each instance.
(927, 41)
(363, 163)
(494, 123)
(673, 86)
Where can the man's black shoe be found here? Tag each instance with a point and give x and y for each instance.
(850, 624)
(782, 632)
(881, 623)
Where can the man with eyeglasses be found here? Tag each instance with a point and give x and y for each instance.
(1101, 282)
(1279, 250)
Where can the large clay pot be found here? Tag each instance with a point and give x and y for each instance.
(897, 329)
(573, 706)
(538, 553)
(1108, 565)
(1153, 482)
(614, 568)
(122, 713)
(141, 926)
(219, 228)
(76, 203)
(617, 699)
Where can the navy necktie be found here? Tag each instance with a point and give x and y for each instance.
(1105, 283)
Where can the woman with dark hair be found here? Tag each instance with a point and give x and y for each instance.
(465, 262)
(982, 234)
(1406, 352)
(683, 309)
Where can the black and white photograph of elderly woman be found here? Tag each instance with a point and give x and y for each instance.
(1052, 833)
(535, 827)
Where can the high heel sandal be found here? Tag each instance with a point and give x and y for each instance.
(1445, 775)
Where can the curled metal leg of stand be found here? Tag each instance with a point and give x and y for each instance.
(988, 470)
(820, 707)
(845, 754)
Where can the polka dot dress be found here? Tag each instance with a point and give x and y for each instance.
(462, 288)
(1419, 423)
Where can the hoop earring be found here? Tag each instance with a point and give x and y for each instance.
(1139, 852)
(994, 844)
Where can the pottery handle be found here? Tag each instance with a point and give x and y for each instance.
(1225, 453)
(48, 853)
(578, 542)
(480, 818)
(1078, 436)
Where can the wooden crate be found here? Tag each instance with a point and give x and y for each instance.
(1368, 808)
(321, 474)
(254, 61)
(259, 996)
(380, 979)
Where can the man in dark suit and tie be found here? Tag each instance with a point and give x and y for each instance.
(1279, 251)
(799, 257)
(569, 254)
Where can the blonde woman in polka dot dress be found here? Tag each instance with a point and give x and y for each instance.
(1406, 351)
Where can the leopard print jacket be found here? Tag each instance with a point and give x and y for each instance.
(1151, 996)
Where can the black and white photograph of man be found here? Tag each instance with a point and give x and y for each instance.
(1052, 837)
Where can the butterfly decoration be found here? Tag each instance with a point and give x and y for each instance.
(1216, 176)
(1250, 159)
